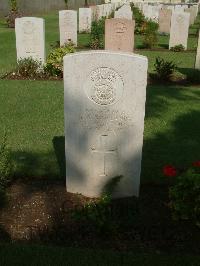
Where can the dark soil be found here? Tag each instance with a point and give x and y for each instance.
(41, 212)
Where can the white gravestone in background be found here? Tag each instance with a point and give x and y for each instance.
(197, 63)
(85, 19)
(124, 12)
(104, 121)
(30, 38)
(68, 26)
(192, 15)
(180, 22)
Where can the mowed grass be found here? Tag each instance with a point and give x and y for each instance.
(21, 255)
(32, 114)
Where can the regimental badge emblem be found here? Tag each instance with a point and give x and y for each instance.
(104, 86)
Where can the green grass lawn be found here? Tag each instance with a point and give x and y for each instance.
(22, 255)
(32, 114)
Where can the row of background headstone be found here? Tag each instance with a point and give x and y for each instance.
(41, 6)
(44, 6)
(178, 33)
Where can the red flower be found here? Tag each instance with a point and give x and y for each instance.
(196, 164)
(169, 170)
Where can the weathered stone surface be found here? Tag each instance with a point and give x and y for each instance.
(68, 26)
(104, 121)
(197, 63)
(164, 20)
(119, 35)
(85, 19)
(179, 29)
(30, 38)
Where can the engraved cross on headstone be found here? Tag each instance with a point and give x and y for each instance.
(104, 154)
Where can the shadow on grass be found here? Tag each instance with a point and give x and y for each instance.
(163, 45)
(59, 148)
(193, 75)
(179, 142)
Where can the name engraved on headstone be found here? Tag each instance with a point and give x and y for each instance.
(69, 21)
(30, 37)
(105, 119)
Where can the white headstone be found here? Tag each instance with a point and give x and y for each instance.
(197, 63)
(124, 12)
(104, 121)
(85, 19)
(68, 26)
(30, 38)
(100, 11)
(180, 22)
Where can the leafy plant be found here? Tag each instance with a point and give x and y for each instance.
(29, 68)
(150, 29)
(97, 33)
(185, 195)
(13, 4)
(164, 69)
(66, 3)
(96, 215)
(86, 3)
(177, 48)
(139, 19)
(13, 14)
(54, 65)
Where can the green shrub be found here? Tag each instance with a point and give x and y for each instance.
(150, 29)
(66, 3)
(97, 33)
(29, 68)
(185, 196)
(54, 65)
(13, 14)
(96, 215)
(150, 40)
(139, 19)
(164, 69)
(177, 48)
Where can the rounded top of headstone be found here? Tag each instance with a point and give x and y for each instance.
(108, 52)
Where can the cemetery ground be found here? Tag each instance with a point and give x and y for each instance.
(38, 208)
